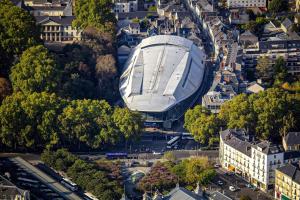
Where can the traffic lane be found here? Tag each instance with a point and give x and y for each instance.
(240, 184)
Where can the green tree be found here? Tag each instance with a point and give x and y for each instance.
(201, 123)
(37, 71)
(276, 6)
(89, 122)
(30, 121)
(238, 113)
(280, 71)
(18, 32)
(245, 197)
(94, 13)
(169, 156)
(196, 170)
(5, 88)
(152, 8)
(129, 123)
(263, 68)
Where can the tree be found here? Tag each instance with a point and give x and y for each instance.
(94, 13)
(152, 8)
(30, 121)
(276, 6)
(18, 32)
(37, 71)
(89, 122)
(5, 88)
(238, 113)
(245, 197)
(169, 156)
(128, 122)
(201, 123)
(280, 71)
(263, 68)
(196, 170)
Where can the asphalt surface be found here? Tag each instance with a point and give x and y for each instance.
(47, 180)
(238, 183)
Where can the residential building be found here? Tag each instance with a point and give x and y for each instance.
(247, 38)
(58, 29)
(238, 16)
(134, 28)
(125, 6)
(215, 98)
(254, 87)
(247, 3)
(291, 141)
(9, 191)
(254, 160)
(287, 182)
(49, 8)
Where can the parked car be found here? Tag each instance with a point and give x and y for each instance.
(220, 182)
(157, 153)
(232, 188)
(217, 165)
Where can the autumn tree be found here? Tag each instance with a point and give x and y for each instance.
(37, 71)
(263, 68)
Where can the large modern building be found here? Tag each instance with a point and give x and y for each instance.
(162, 77)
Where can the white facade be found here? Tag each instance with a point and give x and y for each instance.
(246, 3)
(255, 162)
(125, 6)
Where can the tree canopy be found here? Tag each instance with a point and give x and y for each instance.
(268, 115)
(18, 32)
(37, 71)
(276, 6)
(95, 13)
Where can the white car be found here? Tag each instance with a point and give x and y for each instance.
(157, 153)
(232, 188)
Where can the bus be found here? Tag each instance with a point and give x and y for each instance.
(69, 184)
(27, 180)
(173, 142)
(187, 136)
(111, 156)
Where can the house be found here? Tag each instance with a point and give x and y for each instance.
(287, 182)
(121, 6)
(291, 141)
(134, 28)
(247, 38)
(254, 87)
(238, 16)
(49, 8)
(58, 29)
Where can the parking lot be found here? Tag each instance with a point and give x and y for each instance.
(223, 181)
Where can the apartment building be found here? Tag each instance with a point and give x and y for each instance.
(291, 141)
(49, 8)
(287, 182)
(254, 160)
(247, 3)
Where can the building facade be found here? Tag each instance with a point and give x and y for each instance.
(253, 160)
(247, 3)
(287, 182)
(125, 6)
(58, 29)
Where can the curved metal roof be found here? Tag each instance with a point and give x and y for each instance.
(161, 71)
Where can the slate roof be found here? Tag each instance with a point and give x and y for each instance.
(287, 23)
(292, 138)
(64, 20)
(60, 8)
(179, 193)
(269, 148)
(238, 139)
(137, 14)
(292, 171)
